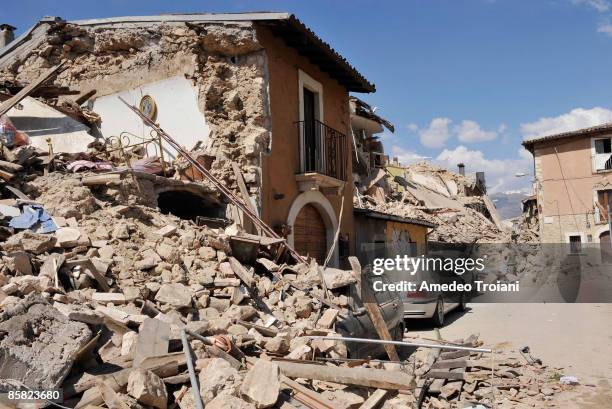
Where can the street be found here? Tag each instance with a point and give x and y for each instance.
(574, 337)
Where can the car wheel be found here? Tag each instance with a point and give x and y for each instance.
(462, 303)
(438, 315)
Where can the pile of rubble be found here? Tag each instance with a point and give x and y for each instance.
(118, 300)
(457, 204)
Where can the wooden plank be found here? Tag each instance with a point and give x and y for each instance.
(449, 364)
(374, 312)
(442, 374)
(454, 354)
(6, 176)
(380, 325)
(7, 105)
(243, 189)
(152, 340)
(307, 396)
(374, 400)
(101, 179)
(10, 166)
(240, 271)
(368, 377)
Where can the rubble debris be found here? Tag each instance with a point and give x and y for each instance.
(261, 384)
(147, 388)
(120, 282)
(32, 333)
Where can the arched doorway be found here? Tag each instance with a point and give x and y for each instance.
(310, 233)
(605, 247)
(188, 205)
(324, 213)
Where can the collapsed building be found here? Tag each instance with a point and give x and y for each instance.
(129, 273)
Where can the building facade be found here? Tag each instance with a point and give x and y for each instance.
(573, 186)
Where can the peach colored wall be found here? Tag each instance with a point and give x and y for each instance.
(567, 190)
(279, 167)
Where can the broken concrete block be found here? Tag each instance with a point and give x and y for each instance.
(261, 384)
(277, 345)
(18, 262)
(168, 253)
(166, 231)
(128, 341)
(343, 399)
(451, 389)
(153, 339)
(67, 237)
(335, 278)
(26, 240)
(303, 307)
(104, 298)
(207, 253)
(106, 252)
(218, 378)
(78, 313)
(175, 294)
(147, 388)
(121, 232)
(38, 343)
(328, 318)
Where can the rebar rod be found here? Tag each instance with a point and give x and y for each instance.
(216, 182)
(400, 343)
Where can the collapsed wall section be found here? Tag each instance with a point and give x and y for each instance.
(224, 61)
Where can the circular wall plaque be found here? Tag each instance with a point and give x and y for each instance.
(148, 107)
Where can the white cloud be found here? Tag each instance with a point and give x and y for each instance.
(502, 128)
(499, 173)
(575, 119)
(412, 127)
(406, 156)
(600, 5)
(470, 131)
(436, 134)
(605, 28)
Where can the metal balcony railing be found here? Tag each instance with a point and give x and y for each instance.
(322, 149)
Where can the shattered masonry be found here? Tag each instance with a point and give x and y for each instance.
(224, 61)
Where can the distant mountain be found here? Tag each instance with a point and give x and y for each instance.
(508, 204)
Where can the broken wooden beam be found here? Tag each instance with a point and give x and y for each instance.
(368, 377)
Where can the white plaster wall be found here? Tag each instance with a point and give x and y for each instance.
(177, 113)
(42, 122)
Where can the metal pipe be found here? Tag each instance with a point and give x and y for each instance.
(400, 343)
(195, 388)
(216, 182)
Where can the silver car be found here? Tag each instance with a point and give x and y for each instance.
(435, 305)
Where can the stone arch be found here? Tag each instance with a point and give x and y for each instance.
(320, 202)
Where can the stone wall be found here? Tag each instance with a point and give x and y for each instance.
(225, 62)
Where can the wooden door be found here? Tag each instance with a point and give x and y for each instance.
(606, 247)
(310, 234)
(310, 131)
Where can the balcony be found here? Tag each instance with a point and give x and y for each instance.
(323, 157)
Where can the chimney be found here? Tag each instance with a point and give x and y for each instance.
(461, 167)
(7, 34)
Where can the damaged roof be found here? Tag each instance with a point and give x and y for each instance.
(295, 34)
(391, 217)
(593, 130)
(365, 110)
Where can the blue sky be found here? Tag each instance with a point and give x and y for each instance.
(462, 80)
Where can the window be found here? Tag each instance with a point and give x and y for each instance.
(575, 244)
(603, 146)
(603, 154)
(604, 202)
